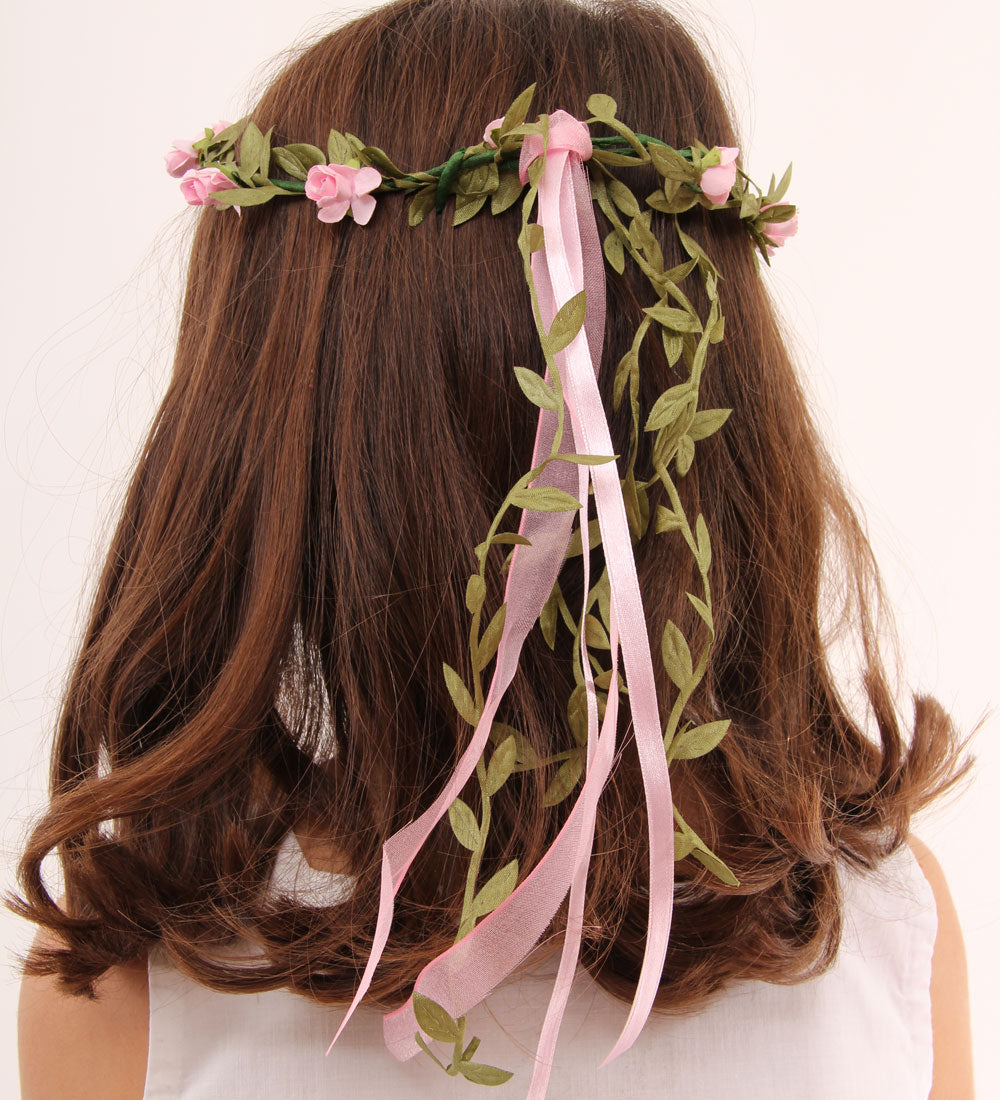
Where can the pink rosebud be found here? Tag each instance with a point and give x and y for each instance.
(182, 155)
(717, 181)
(779, 232)
(198, 185)
(492, 126)
(337, 187)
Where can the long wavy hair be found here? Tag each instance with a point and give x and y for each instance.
(287, 576)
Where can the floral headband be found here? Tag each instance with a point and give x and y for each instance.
(504, 917)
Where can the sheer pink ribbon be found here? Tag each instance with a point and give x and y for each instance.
(571, 260)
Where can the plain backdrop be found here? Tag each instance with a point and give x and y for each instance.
(887, 111)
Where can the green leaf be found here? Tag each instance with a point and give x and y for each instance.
(475, 593)
(683, 845)
(460, 696)
(677, 320)
(673, 345)
(585, 460)
(501, 765)
(290, 163)
(247, 196)
(614, 250)
(576, 714)
(433, 1019)
(496, 890)
(481, 1074)
(595, 633)
(467, 207)
(544, 499)
(536, 236)
(602, 106)
(715, 865)
(786, 179)
(254, 150)
(567, 322)
(307, 155)
(703, 610)
(536, 389)
(685, 454)
(490, 640)
(696, 742)
(707, 421)
(507, 192)
(549, 617)
(676, 655)
(464, 826)
(704, 546)
(623, 198)
(668, 406)
(421, 205)
(564, 780)
(338, 148)
(666, 520)
(517, 112)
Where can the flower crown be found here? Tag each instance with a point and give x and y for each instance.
(503, 919)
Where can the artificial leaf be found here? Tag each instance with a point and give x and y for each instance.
(548, 618)
(685, 454)
(668, 406)
(677, 320)
(501, 765)
(536, 389)
(467, 207)
(481, 1074)
(704, 546)
(676, 655)
(595, 634)
(338, 148)
(683, 845)
(567, 322)
(508, 189)
(495, 891)
(254, 150)
(307, 155)
(707, 421)
(518, 110)
(703, 610)
(667, 520)
(490, 640)
(544, 499)
(614, 250)
(786, 179)
(460, 695)
(290, 163)
(464, 826)
(421, 204)
(602, 106)
(475, 593)
(623, 198)
(575, 544)
(433, 1019)
(564, 780)
(697, 741)
(715, 865)
(247, 196)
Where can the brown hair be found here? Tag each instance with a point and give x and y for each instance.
(288, 573)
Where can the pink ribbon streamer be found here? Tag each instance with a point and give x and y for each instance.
(571, 260)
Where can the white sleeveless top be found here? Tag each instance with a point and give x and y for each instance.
(861, 1029)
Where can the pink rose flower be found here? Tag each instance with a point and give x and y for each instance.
(182, 155)
(337, 187)
(198, 185)
(717, 181)
(492, 126)
(779, 232)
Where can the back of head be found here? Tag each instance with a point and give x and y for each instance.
(288, 574)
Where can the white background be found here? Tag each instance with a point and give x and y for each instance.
(887, 111)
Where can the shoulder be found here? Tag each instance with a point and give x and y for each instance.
(78, 1048)
(950, 1017)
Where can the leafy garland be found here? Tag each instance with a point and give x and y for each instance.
(486, 172)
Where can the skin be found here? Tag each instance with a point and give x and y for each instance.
(72, 1048)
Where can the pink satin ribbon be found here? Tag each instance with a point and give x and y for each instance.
(460, 978)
